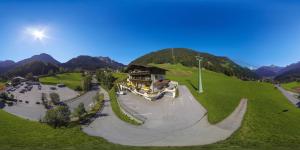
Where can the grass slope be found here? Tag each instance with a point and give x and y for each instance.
(291, 86)
(72, 80)
(266, 123)
(117, 110)
(265, 126)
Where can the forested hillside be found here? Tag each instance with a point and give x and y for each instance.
(187, 57)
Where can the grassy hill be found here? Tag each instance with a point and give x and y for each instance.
(187, 58)
(72, 80)
(270, 119)
(291, 86)
(271, 122)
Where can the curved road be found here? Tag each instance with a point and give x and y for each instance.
(170, 122)
(289, 95)
(86, 99)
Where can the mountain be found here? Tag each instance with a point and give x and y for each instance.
(46, 58)
(10, 67)
(91, 63)
(268, 71)
(289, 73)
(6, 65)
(111, 62)
(34, 67)
(187, 57)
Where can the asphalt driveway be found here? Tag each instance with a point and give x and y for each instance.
(170, 122)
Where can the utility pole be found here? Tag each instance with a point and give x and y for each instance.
(173, 57)
(199, 75)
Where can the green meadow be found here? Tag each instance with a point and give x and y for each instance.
(72, 80)
(291, 86)
(271, 122)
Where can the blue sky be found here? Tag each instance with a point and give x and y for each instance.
(251, 33)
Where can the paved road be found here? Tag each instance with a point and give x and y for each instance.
(170, 122)
(86, 99)
(290, 96)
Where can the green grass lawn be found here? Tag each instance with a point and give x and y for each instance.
(266, 125)
(291, 86)
(117, 110)
(72, 80)
(265, 122)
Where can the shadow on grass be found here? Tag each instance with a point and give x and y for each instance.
(192, 85)
(2, 105)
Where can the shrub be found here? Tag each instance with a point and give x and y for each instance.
(55, 98)
(98, 102)
(176, 93)
(4, 95)
(79, 111)
(57, 117)
(9, 103)
(78, 88)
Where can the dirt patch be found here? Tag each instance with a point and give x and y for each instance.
(296, 89)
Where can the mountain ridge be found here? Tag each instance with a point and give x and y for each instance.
(186, 57)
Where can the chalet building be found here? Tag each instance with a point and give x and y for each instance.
(148, 81)
(146, 78)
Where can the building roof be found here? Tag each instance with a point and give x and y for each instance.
(18, 77)
(151, 69)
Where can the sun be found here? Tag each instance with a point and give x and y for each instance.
(38, 34)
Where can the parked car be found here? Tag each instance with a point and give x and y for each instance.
(53, 88)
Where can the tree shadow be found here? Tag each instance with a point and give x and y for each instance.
(298, 104)
(2, 105)
(192, 85)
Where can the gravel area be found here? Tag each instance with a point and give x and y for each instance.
(170, 122)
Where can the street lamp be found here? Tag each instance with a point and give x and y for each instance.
(199, 74)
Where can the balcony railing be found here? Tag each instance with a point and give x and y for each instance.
(139, 73)
(141, 79)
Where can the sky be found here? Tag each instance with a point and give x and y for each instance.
(251, 33)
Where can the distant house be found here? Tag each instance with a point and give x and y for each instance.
(17, 80)
(148, 81)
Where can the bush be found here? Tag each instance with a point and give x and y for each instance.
(78, 88)
(79, 111)
(98, 103)
(4, 95)
(177, 93)
(57, 117)
(55, 98)
(9, 103)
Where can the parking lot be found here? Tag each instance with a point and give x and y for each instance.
(29, 99)
(32, 96)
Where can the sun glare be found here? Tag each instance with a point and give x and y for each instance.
(37, 33)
